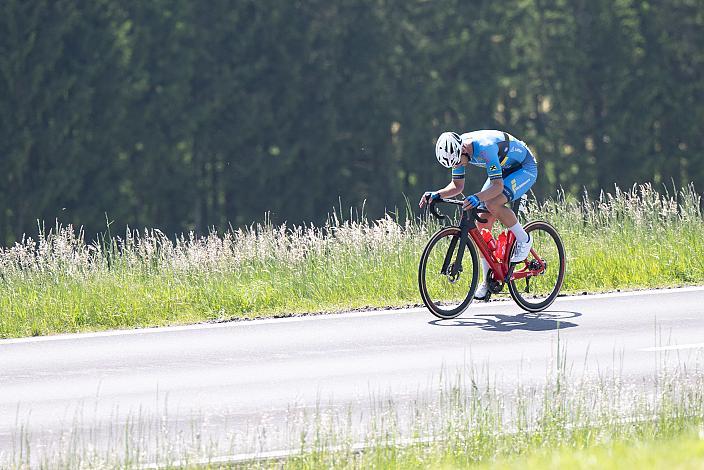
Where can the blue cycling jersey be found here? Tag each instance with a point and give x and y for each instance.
(489, 151)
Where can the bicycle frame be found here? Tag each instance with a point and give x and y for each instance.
(503, 270)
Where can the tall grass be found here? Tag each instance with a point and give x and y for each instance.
(628, 239)
(465, 422)
(57, 282)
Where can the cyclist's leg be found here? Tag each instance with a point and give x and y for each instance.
(515, 185)
(519, 182)
(490, 219)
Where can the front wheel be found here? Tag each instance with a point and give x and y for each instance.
(444, 295)
(544, 269)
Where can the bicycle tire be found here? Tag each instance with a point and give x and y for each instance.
(548, 251)
(435, 305)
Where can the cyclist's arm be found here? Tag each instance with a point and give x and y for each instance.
(452, 189)
(456, 184)
(495, 188)
(493, 171)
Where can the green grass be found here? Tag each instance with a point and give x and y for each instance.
(682, 451)
(57, 283)
(566, 425)
(469, 422)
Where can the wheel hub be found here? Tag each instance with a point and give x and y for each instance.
(453, 278)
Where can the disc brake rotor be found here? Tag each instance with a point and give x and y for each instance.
(453, 278)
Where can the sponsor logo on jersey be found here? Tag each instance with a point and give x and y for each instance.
(515, 187)
(493, 168)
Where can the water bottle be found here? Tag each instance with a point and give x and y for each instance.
(486, 235)
(501, 245)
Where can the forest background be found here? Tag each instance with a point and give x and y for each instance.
(185, 115)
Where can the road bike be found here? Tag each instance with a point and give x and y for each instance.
(449, 267)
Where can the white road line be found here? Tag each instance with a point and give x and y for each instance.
(674, 348)
(311, 317)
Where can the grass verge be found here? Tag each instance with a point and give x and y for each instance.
(58, 283)
(468, 423)
(681, 451)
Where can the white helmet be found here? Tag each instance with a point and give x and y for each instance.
(448, 149)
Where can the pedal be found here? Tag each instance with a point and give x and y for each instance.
(495, 286)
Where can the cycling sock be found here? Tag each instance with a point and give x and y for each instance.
(519, 232)
(485, 270)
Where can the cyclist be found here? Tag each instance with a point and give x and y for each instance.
(511, 169)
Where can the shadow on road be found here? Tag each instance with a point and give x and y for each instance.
(543, 321)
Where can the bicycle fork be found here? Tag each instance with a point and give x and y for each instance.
(448, 257)
(456, 267)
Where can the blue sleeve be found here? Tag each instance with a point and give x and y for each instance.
(493, 167)
(458, 173)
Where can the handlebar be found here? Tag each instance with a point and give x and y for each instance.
(474, 212)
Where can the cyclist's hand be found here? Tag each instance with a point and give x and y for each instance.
(470, 202)
(427, 196)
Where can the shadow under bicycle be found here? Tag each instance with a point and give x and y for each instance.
(542, 321)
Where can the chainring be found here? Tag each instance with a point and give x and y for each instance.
(494, 286)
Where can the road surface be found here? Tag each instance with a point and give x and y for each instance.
(238, 378)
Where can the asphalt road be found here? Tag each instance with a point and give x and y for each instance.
(240, 377)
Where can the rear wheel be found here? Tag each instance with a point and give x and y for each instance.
(445, 296)
(546, 261)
